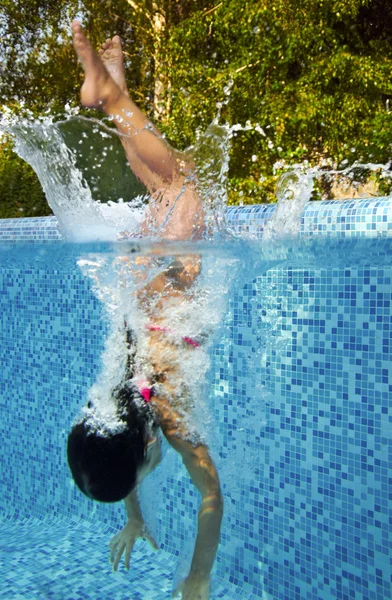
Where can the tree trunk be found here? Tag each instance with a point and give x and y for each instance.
(161, 102)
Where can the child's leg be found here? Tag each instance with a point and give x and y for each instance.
(175, 208)
(111, 55)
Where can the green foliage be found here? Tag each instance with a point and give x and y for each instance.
(100, 157)
(21, 194)
(315, 76)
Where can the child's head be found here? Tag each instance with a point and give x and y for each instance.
(105, 464)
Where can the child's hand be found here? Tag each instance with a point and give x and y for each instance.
(194, 587)
(125, 541)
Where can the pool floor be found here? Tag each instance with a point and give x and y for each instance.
(40, 561)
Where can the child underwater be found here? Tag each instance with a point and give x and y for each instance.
(108, 462)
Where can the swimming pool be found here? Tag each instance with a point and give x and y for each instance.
(301, 394)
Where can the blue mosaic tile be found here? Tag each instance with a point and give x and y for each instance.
(370, 217)
(34, 229)
(301, 392)
(69, 561)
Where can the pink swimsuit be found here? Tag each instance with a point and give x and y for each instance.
(185, 339)
(144, 390)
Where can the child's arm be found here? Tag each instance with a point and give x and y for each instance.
(135, 528)
(205, 477)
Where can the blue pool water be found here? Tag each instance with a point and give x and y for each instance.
(300, 391)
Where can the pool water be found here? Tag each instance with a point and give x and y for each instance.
(301, 395)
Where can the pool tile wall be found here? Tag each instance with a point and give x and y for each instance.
(301, 391)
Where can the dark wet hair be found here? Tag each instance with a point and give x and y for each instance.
(103, 464)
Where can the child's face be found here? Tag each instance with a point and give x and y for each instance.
(152, 458)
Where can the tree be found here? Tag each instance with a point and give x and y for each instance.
(20, 192)
(311, 77)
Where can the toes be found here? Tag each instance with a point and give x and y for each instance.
(117, 43)
(110, 43)
(76, 26)
(106, 45)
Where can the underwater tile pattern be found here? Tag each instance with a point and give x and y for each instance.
(69, 561)
(317, 482)
(302, 395)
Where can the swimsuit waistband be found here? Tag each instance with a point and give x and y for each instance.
(185, 338)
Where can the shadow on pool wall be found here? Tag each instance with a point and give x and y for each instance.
(303, 409)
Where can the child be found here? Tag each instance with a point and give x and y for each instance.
(108, 461)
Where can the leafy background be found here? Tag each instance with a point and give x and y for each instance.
(315, 76)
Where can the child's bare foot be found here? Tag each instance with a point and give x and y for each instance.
(99, 89)
(112, 57)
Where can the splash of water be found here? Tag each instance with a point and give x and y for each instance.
(211, 154)
(42, 145)
(294, 189)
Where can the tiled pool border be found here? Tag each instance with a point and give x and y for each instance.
(368, 217)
